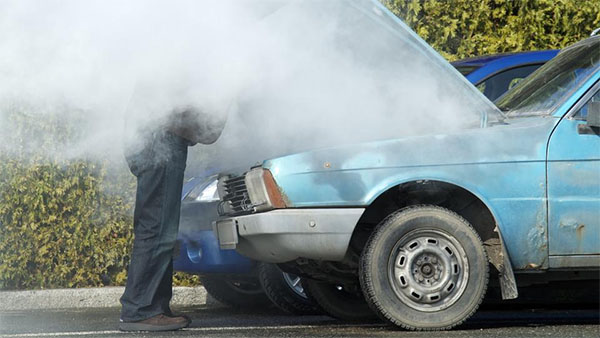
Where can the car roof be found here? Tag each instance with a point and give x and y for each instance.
(529, 55)
(488, 65)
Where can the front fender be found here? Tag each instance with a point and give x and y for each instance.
(495, 248)
(514, 192)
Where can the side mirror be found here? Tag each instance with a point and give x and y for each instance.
(593, 118)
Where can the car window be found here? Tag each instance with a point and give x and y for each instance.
(581, 114)
(498, 84)
(554, 82)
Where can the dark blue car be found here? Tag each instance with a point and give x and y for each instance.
(495, 74)
(238, 281)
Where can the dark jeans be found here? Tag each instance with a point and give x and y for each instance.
(159, 170)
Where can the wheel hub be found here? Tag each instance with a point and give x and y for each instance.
(428, 269)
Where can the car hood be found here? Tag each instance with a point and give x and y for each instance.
(523, 139)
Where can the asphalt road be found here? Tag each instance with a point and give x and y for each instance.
(222, 322)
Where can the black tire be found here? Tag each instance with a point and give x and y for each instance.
(243, 293)
(424, 268)
(337, 301)
(279, 287)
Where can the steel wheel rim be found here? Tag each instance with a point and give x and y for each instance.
(428, 270)
(293, 281)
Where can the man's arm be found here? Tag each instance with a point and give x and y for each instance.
(195, 125)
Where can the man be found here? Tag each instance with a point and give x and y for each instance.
(159, 165)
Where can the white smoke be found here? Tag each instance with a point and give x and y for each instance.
(290, 75)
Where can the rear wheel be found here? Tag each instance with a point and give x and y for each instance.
(285, 290)
(424, 268)
(344, 302)
(237, 293)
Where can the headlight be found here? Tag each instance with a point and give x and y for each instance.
(205, 191)
(263, 191)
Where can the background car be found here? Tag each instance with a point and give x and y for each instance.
(236, 280)
(495, 74)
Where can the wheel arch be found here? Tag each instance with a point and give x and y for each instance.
(455, 197)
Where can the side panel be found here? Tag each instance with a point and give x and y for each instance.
(515, 192)
(504, 165)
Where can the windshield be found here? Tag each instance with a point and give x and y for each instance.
(545, 89)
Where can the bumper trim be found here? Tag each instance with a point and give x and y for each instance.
(284, 235)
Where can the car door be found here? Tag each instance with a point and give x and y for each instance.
(573, 180)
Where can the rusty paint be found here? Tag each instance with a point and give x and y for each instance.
(532, 266)
(579, 232)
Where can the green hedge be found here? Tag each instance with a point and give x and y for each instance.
(61, 222)
(463, 28)
(67, 223)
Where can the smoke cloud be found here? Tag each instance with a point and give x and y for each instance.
(287, 75)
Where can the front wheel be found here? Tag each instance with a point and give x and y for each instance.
(424, 268)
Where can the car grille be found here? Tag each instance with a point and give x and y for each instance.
(235, 199)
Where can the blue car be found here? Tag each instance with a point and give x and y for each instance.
(495, 74)
(235, 279)
(419, 225)
(231, 277)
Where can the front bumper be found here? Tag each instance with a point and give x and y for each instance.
(287, 234)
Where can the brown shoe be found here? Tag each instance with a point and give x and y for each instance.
(156, 323)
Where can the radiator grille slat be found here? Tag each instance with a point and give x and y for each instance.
(236, 199)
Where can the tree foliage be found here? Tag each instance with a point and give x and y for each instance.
(464, 28)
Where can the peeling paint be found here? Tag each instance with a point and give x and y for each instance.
(536, 238)
(568, 225)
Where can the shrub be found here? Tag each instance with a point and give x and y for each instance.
(60, 224)
(464, 28)
(63, 222)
